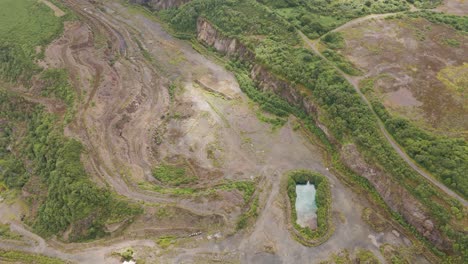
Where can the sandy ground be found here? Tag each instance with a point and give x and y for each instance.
(125, 102)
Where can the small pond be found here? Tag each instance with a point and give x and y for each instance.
(306, 207)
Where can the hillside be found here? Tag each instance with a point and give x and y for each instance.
(166, 131)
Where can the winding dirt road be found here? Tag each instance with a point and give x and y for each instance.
(354, 81)
(123, 105)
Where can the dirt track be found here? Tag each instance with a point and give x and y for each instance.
(124, 102)
(354, 81)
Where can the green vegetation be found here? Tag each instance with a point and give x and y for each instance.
(425, 3)
(14, 113)
(5, 233)
(127, 254)
(374, 220)
(243, 18)
(322, 198)
(26, 24)
(71, 197)
(275, 121)
(341, 62)
(316, 18)
(457, 22)
(243, 220)
(172, 175)
(455, 79)
(247, 188)
(366, 256)
(444, 157)
(11, 256)
(394, 255)
(29, 136)
(56, 84)
(362, 256)
(165, 241)
(342, 111)
(335, 41)
(452, 42)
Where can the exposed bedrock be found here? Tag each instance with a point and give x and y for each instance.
(396, 196)
(266, 81)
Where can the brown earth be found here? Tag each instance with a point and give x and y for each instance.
(210, 126)
(454, 7)
(407, 56)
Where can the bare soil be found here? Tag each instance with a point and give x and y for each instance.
(407, 56)
(454, 7)
(122, 64)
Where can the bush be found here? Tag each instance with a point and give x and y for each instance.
(323, 200)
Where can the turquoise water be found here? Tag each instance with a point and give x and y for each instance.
(306, 207)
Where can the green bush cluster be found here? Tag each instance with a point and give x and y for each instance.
(250, 213)
(247, 188)
(56, 84)
(322, 198)
(26, 24)
(71, 198)
(14, 112)
(12, 256)
(446, 158)
(457, 22)
(318, 17)
(334, 40)
(341, 62)
(342, 110)
(172, 175)
(425, 3)
(241, 18)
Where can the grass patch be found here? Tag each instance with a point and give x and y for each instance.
(316, 18)
(366, 256)
(57, 84)
(247, 188)
(5, 233)
(323, 200)
(26, 25)
(341, 62)
(334, 40)
(374, 220)
(251, 213)
(12, 256)
(455, 78)
(166, 241)
(275, 122)
(173, 175)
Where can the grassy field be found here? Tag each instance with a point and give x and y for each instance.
(345, 115)
(315, 18)
(25, 26)
(8, 256)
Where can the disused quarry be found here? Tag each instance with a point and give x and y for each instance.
(165, 126)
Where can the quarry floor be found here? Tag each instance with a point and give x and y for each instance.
(209, 126)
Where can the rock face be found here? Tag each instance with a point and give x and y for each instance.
(396, 196)
(266, 81)
(209, 35)
(160, 4)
